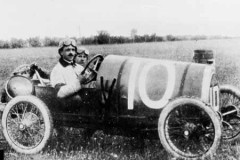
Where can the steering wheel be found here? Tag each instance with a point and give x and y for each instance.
(90, 70)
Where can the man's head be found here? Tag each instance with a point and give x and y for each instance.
(67, 49)
(82, 56)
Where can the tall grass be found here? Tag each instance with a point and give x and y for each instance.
(102, 146)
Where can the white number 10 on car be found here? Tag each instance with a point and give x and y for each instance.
(140, 82)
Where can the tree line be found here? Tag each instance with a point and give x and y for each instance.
(103, 37)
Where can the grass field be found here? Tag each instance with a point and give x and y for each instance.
(116, 147)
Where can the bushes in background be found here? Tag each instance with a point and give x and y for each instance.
(103, 37)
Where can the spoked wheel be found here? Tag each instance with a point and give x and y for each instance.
(27, 124)
(230, 106)
(189, 129)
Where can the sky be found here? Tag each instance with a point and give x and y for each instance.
(66, 18)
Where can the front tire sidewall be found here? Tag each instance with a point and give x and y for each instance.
(47, 121)
(178, 102)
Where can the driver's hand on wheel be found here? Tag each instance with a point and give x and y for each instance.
(87, 73)
(82, 79)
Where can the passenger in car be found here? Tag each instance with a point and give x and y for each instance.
(82, 56)
(66, 76)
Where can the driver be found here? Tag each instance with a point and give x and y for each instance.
(66, 76)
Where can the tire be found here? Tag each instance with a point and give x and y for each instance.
(189, 129)
(27, 124)
(230, 109)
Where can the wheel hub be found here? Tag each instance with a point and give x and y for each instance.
(29, 119)
(21, 126)
(188, 129)
(186, 133)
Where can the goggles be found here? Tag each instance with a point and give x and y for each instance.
(67, 42)
(82, 51)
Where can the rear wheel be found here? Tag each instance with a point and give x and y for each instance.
(27, 124)
(188, 128)
(230, 108)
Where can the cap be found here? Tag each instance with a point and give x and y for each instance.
(67, 42)
(81, 50)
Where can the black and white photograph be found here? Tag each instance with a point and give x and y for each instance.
(119, 80)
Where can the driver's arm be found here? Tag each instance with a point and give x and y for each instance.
(65, 89)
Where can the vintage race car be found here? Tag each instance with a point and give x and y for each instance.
(176, 102)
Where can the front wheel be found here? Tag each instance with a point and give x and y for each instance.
(189, 129)
(27, 124)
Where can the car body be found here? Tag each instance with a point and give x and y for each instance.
(132, 95)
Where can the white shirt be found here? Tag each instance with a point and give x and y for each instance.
(67, 77)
